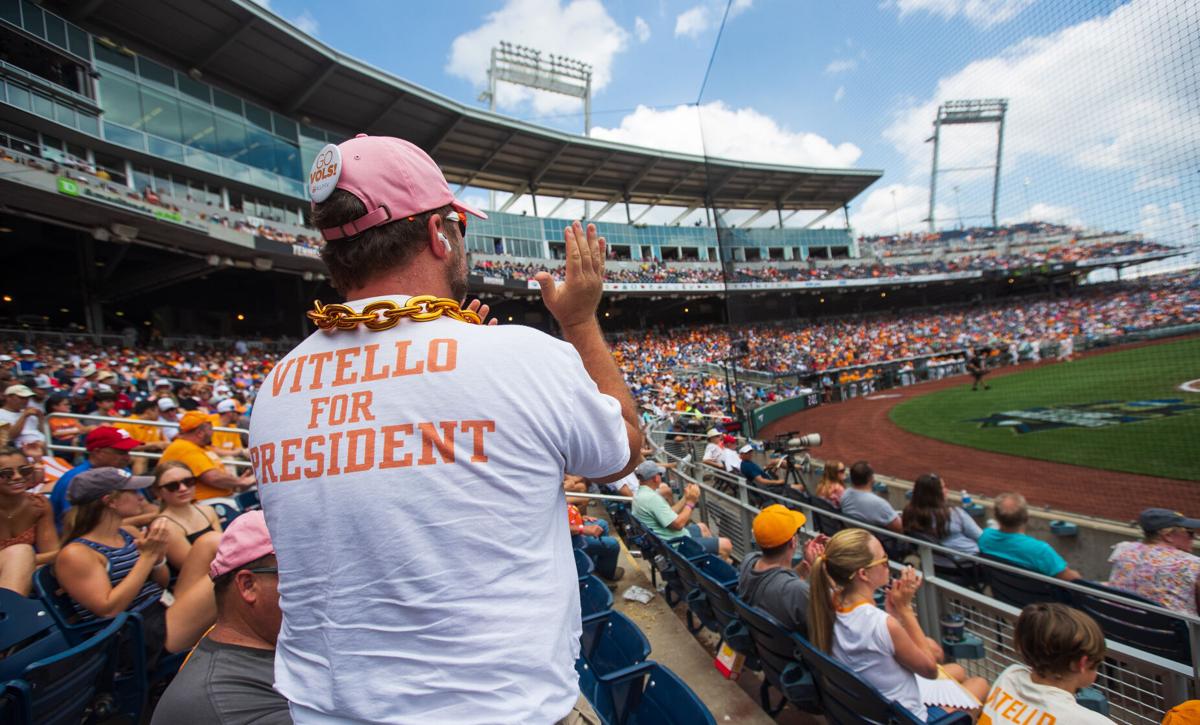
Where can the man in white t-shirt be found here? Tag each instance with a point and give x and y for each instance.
(389, 443)
(718, 456)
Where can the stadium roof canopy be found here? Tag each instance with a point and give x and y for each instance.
(241, 45)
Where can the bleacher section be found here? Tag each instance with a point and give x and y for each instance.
(1150, 666)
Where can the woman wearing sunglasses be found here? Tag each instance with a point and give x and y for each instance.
(27, 534)
(175, 488)
(884, 647)
(833, 482)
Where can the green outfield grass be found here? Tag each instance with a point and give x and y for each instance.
(1167, 446)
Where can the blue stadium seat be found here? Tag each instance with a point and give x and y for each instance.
(610, 642)
(825, 524)
(71, 687)
(699, 615)
(1020, 590)
(594, 597)
(1157, 633)
(649, 694)
(583, 563)
(782, 668)
(227, 509)
(247, 500)
(59, 605)
(731, 629)
(846, 699)
(27, 633)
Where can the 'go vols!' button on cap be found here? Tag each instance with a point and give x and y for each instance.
(325, 172)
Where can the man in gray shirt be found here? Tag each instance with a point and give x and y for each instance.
(228, 677)
(767, 579)
(861, 503)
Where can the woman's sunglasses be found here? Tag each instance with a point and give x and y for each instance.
(174, 486)
(6, 474)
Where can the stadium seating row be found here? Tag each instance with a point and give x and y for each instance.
(790, 665)
(616, 675)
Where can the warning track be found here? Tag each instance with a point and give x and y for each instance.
(861, 429)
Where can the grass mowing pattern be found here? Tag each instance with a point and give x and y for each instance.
(1167, 447)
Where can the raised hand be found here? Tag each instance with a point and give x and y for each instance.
(482, 310)
(154, 544)
(574, 301)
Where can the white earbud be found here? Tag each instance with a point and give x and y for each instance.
(445, 241)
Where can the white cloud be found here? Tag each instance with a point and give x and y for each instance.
(742, 133)
(983, 13)
(692, 22)
(1042, 212)
(839, 94)
(892, 208)
(306, 23)
(580, 29)
(841, 65)
(641, 29)
(1109, 93)
(1169, 223)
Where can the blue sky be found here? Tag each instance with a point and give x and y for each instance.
(1104, 123)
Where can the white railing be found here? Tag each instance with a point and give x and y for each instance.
(1140, 686)
(51, 446)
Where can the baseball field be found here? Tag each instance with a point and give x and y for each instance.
(1120, 411)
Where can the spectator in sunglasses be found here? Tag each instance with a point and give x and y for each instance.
(174, 488)
(27, 534)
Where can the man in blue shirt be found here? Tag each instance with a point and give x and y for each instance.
(1011, 544)
(754, 473)
(106, 446)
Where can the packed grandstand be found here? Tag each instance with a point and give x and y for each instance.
(177, 202)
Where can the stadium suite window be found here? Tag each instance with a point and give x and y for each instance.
(110, 56)
(160, 115)
(120, 101)
(199, 128)
(10, 11)
(33, 18)
(155, 72)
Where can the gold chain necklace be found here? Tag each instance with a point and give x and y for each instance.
(386, 314)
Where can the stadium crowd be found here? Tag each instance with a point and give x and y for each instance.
(664, 367)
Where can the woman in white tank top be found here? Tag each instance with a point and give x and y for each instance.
(886, 649)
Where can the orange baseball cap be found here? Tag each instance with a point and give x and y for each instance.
(192, 420)
(776, 525)
(1186, 713)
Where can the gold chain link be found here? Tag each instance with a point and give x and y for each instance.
(386, 314)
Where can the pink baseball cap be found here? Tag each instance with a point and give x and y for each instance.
(244, 540)
(393, 178)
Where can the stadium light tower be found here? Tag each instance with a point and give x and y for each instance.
(554, 73)
(987, 110)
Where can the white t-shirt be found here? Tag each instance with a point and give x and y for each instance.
(727, 457)
(616, 486)
(861, 642)
(8, 417)
(429, 578)
(1015, 698)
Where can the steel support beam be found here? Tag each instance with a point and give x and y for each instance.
(815, 221)
(445, 134)
(644, 213)
(558, 206)
(685, 212)
(517, 193)
(231, 37)
(305, 92)
(490, 158)
(536, 178)
(386, 111)
(755, 217)
(612, 201)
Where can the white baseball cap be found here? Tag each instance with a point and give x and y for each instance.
(166, 404)
(227, 406)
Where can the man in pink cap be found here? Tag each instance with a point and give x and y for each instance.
(228, 676)
(386, 444)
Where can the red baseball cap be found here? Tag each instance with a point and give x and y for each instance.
(107, 436)
(393, 178)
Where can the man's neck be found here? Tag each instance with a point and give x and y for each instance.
(866, 487)
(413, 281)
(235, 631)
(778, 562)
(1018, 530)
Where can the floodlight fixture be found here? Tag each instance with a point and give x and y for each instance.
(968, 111)
(530, 67)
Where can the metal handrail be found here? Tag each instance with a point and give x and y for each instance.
(139, 421)
(926, 550)
(51, 446)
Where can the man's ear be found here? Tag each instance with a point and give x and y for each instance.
(439, 243)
